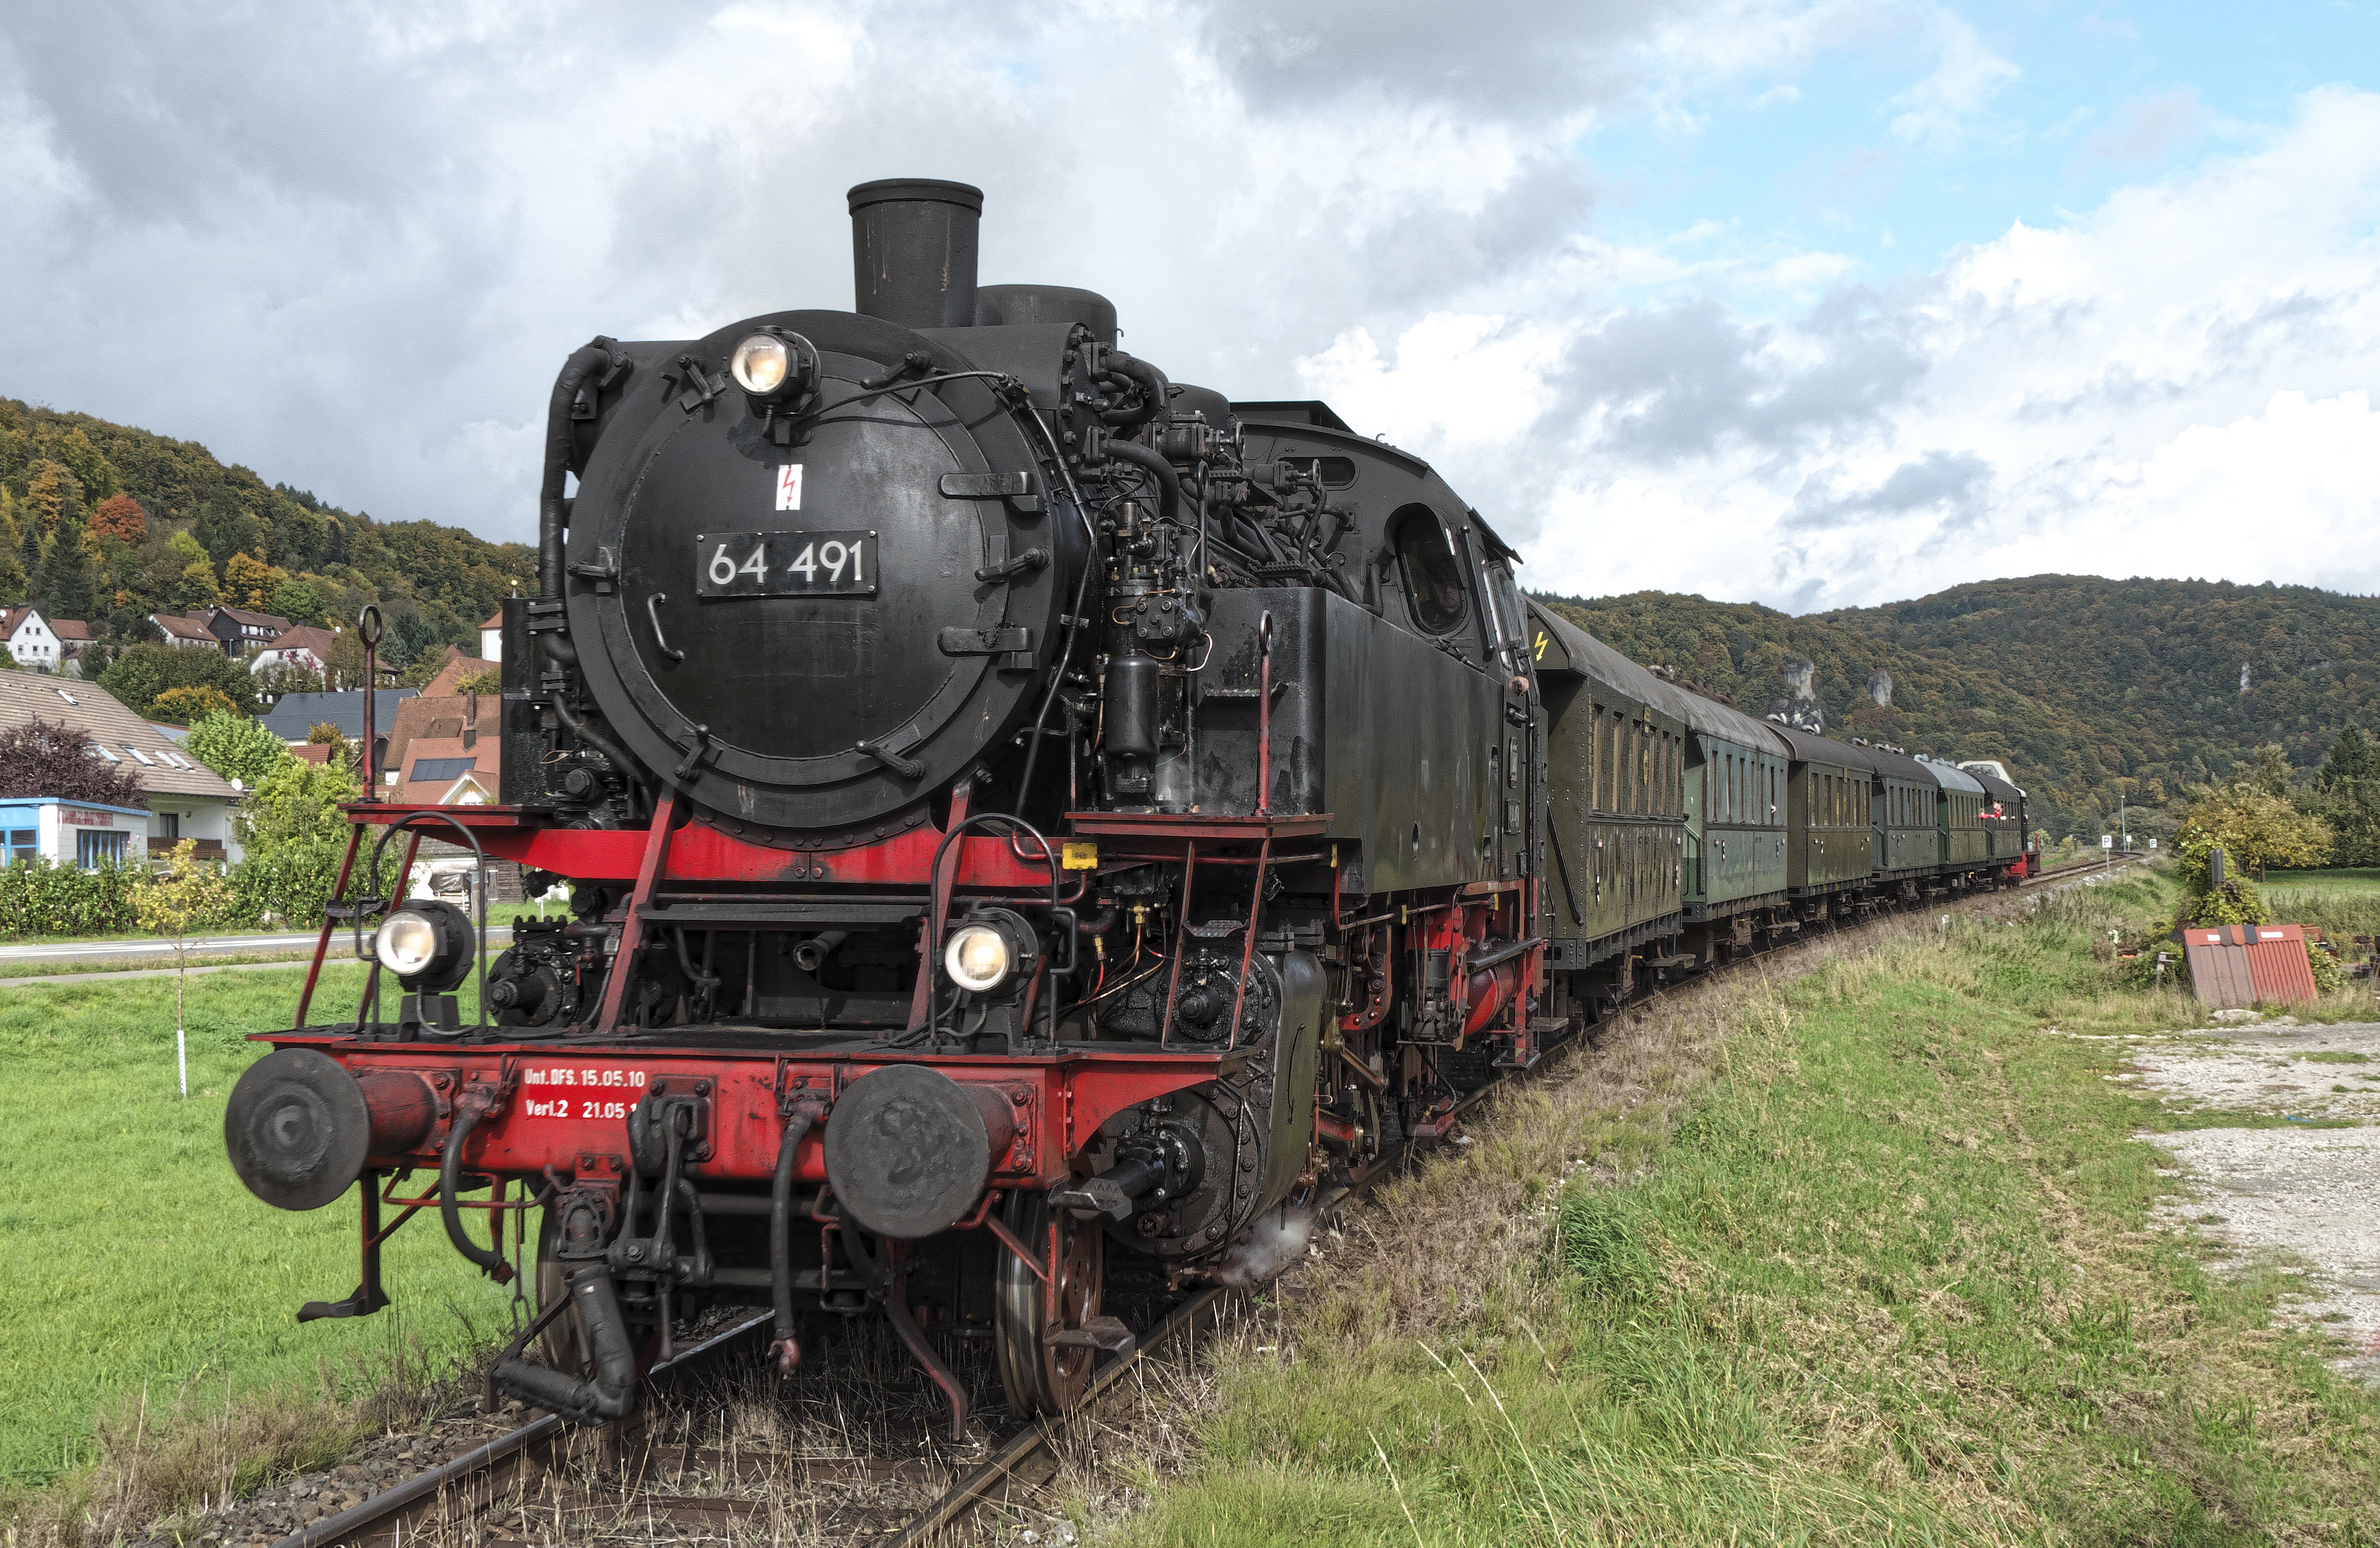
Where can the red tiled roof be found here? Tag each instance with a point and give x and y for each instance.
(458, 666)
(178, 626)
(73, 629)
(304, 637)
(452, 761)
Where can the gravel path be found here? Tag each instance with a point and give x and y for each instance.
(2311, 1193)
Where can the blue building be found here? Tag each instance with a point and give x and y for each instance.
(72, 832)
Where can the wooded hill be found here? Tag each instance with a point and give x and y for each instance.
(2090, 690)
(108, 523)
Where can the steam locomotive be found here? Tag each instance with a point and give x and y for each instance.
(1020, 812)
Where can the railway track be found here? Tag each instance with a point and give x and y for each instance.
(686, 1469)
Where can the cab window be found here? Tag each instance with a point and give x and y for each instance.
(1433, 577)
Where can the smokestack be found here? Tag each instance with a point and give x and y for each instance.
(913, 252)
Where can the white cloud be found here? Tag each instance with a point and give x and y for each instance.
(372, 237)
(2177, 381)
(1939, 109)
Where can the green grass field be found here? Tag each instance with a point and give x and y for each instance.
(1862, 1256)
(136, 1264)
(2344, 903)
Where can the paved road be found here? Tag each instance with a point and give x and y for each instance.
(36, 980)
(96, 951)
(211, 946)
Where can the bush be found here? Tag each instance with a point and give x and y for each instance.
(292, 881)
(39, 898)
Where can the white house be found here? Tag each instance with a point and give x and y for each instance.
(186, 798)
(30, 639)
(304, 646)
(491, 637)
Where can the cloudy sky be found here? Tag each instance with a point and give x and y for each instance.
(1810, 303)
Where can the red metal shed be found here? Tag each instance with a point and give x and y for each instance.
(2249, 964)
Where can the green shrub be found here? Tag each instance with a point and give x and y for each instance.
(39, 898)
(290, 880)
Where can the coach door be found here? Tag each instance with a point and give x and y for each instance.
(1522, 759)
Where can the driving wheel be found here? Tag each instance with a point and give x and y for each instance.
(1042, 1376)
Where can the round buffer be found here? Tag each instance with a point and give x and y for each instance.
(297, 1128)
(907, 1150)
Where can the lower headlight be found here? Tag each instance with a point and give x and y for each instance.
(406, 943)
(977, 957)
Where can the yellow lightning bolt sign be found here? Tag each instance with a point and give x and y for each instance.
(1541, 644)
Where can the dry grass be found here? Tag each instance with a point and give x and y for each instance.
(166, 1463)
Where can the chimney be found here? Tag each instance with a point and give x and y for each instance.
(913, 247)
(470, 719)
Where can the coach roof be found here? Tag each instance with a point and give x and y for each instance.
(1571, 649)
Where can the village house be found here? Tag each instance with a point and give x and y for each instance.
(491, 637)
(74, 639)
(186, 798)
(294, 714)
(437, 754)
(32, 642)
(305, 647)
(182, 633)
(240, 631)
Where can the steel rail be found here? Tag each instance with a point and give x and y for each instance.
(1034, 1437)
(359, 1519)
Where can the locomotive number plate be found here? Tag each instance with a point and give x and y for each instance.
(581, 1091)
(784, 563)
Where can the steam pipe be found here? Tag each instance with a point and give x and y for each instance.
(1169, 482)
(615, 1382)
(588, 734)
(1155, 390)
(781, 1235)
(468, 1113)
(586, 360)
(812, 954)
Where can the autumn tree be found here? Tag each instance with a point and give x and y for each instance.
(55, 496)
(298, 601)
(140, 673)
(185, 706)
(247, 580)
(345, 666)
(45, 758)
(197, 586)
(2253, 828)
(120, 517)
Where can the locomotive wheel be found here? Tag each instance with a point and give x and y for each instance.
(1040, 1377)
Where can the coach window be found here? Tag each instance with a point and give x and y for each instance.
(1433, 577)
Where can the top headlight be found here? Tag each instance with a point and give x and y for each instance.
(406, 943)
(977, 957)
(760, 364)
